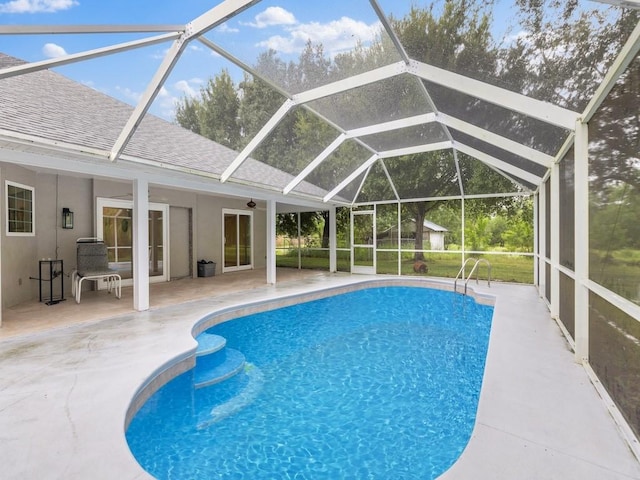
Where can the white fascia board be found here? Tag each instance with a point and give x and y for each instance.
(350, 178)
(494, 162)
(217, 15)
(429, 147)
(257, 140)
(78, 29)
(314, 164)
(497, 140)
(154, 86)
(620, 64)
(517, 102)
(352, 82)
(76, 57)
(392, 125)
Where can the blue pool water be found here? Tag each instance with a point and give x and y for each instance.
(375, 384)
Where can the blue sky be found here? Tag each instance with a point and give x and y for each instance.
(283, 25)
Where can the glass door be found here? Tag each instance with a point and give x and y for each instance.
(237, 240)
(363, 233)
(115, 228)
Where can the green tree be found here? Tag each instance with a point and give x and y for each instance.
(218, 114)
(187, 114)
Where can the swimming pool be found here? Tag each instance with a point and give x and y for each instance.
(376, 383)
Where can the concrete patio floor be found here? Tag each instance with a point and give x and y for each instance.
(69, 372)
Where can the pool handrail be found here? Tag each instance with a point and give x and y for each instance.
(473, 269)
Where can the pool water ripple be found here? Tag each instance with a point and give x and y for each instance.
(379, 383)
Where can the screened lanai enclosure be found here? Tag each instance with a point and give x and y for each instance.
(385, 134)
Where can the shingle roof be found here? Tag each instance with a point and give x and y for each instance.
(51, 106)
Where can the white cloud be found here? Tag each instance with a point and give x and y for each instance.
(335, 36)
(129, 94)
(36, 6)
(224, 28)
(51, 50)
(273, 16)
(188, 87)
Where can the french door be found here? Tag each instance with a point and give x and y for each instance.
(115, 228)
(363, 233)
(237, 240)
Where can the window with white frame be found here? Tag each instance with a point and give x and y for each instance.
(20, 209)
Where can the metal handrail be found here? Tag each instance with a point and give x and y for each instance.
(461, 272)
(474, 269)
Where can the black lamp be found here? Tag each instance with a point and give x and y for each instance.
(251, 204)
(67, 218)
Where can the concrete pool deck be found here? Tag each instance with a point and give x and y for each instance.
(66, 391)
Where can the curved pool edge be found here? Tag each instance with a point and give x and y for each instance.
(185, 360)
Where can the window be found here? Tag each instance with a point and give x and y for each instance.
(20, 201)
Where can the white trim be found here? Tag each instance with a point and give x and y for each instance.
(102, 202)
(32, 233)
(238, 213)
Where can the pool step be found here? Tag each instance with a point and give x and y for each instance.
(209, 343)
(218, 366)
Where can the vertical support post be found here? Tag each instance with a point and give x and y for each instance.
(581, 149)
(299, 241)
(462, 219)
(555, 240)
(271, 242)
(333, 240)
(536, 241)
(542, 239)
(140, 244)
(399, 238)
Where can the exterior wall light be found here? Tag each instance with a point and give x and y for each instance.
(251, 204)
(67, 218)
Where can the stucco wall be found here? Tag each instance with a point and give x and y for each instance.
(20, 255)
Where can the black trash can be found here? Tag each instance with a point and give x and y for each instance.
(206, 269)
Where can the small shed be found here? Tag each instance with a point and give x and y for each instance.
(433, 235)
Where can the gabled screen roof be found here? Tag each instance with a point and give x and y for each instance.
(370, 100)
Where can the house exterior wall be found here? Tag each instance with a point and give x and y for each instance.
(20, 255)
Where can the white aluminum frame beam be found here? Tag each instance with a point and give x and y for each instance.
(392, 125)
(392, 34)
(89, 54)
(75, 29)
(257, 140)
(517, 102)
(358, 132)
(210, 19)
(497, 140)
(488, 159)
(351, 177)
(429, 147)
(620, 64)
(355, 81)
(314, 164)
(388, 154)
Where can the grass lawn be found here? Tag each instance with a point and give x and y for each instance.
(505, 268)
